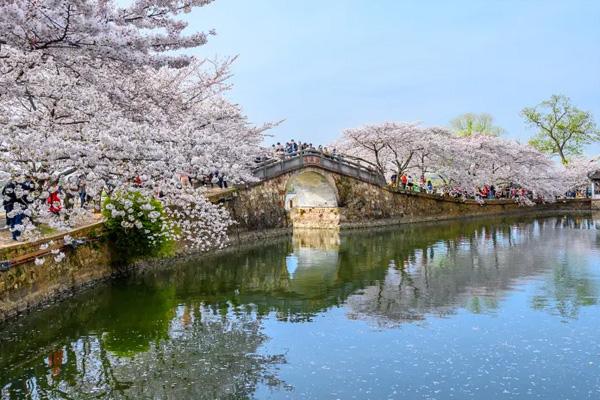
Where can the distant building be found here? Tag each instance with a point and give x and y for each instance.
(594, 177)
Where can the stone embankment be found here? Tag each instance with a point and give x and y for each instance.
(25, 285)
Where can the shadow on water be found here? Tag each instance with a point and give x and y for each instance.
(194, 330)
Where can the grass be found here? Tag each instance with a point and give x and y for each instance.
(46, 230)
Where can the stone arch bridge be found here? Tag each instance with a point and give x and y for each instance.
(311, 189)
(310, 186)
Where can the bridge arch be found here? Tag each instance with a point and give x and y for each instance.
(310, 188)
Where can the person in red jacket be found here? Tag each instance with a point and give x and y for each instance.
(54, 200)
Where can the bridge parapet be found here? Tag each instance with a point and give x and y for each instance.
(344, 165)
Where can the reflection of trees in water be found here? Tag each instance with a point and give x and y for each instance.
(566, 291)
(571, 285)
(187, 351)
(213, 357)
(474, 270)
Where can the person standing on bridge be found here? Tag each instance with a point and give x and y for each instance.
(289, 148)
(280, 151)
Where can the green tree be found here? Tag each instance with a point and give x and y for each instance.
(563, 129)
(470, 123)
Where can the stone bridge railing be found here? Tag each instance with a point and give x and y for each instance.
(344, 165)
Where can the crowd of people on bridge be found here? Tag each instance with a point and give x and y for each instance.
(293, 147)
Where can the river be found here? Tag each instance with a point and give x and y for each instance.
(476, 309)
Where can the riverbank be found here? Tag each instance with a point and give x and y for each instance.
(25, 286)
(477, 210)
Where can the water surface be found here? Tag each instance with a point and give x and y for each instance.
(490, 309)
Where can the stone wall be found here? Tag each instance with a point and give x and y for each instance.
(362, 203)
(25, 285)
(258, 207)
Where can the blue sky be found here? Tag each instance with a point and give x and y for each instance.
(328, 65)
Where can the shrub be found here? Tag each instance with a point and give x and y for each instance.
(137, 226)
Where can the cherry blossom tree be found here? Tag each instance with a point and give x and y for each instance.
(483, 159)
(463, 163)
(395, 147)
(101, 92)
(403, 142)
(432, 155)
(574, 175)
(368, 143)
